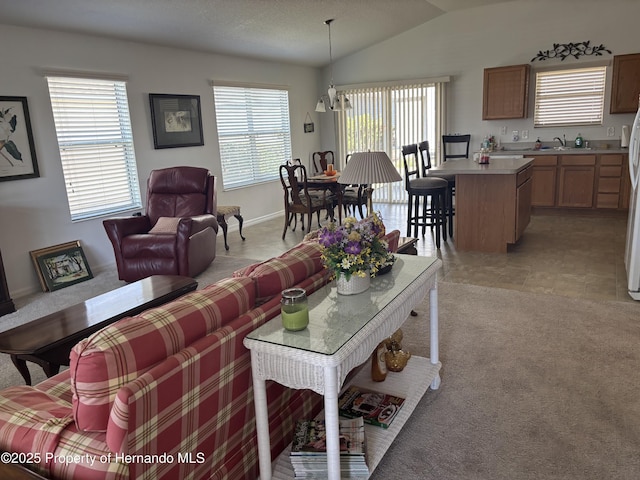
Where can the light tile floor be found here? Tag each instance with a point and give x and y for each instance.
(569, 255)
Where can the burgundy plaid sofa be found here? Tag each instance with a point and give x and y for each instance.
(167, 394)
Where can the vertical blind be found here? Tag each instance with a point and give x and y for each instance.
(384, 118)
(96, 145)
(254, 133)
(570, 97)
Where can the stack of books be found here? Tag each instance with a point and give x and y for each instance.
(309, 449)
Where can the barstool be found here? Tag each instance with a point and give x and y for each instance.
(425, 156)
(431, 190)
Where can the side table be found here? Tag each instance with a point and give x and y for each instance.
(342, 333)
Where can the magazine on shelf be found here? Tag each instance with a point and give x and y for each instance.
(310, 437)
(309, 449)
(375, 408)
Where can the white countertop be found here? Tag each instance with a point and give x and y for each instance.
(568, 151)
(496, 166)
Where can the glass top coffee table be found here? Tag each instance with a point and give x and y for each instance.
(343, 331)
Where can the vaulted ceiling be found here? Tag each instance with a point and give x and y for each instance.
(291, 31)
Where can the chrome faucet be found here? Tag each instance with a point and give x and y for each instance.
(563, 140)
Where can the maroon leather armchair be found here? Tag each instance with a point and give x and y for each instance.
(177, 236)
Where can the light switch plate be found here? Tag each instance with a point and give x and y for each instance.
(525, 134)
(503, 130)
(611, 131)
(515, 135)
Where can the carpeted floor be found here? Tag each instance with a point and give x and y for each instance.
(534, 386)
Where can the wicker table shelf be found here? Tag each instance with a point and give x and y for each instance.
(342, 333)
(412, 383)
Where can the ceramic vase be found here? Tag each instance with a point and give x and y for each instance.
(354, 285)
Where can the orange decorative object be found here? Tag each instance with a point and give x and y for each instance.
(330, 173)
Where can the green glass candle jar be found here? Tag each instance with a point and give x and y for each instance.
(294, 309)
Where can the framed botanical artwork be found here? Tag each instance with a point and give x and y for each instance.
(176, 120)
(17, 150)
(61, 265)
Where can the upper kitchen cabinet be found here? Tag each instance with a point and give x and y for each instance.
(625, 87)
(505, 92)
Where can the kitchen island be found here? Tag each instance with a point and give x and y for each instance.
(492, 202)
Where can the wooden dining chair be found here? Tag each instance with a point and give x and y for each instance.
(298, 199)
(321, 160)
(354, 197)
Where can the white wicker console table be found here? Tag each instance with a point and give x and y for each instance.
(342, 333)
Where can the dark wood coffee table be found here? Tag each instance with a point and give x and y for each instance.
(15, 471)
(48, 340)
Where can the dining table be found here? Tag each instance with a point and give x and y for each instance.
(328, 183)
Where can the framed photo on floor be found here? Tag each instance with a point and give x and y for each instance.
(61, 265)
(17, 150)
(176, 120)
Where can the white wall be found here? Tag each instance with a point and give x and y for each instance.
(463, 43)
(34, 212)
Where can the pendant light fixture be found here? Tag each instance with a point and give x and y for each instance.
(335, 100)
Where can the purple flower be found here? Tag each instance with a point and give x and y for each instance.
(353, 248)
(326, 238)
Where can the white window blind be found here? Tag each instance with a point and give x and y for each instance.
(570, 97)
(384, 118)
(96, 145)
(254, 133)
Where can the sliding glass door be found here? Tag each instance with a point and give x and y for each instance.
(384, 118)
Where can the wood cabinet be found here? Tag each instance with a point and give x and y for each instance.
(505, 92)
(596, 181)
(492, 210)
(576, 181)
(544, 179)
(524, 191)
(609, 185)
(625, 84)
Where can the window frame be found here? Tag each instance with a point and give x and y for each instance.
(98, 156)
(564, 102)
(264, 147)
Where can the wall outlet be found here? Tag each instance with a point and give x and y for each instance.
(525, 134)
(611, 131)
(515, 135)
(503, 130)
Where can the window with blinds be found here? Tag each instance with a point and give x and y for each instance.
(254, 133)
(386, 117)
(96, 145)
(570, 97)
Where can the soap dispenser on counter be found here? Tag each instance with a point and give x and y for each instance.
(538, 144)
(579, 141)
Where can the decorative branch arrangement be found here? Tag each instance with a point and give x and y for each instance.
(576, 50)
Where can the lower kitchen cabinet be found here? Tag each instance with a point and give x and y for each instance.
(544, 181)
(577, 175)
(597, 181)
(610, 184)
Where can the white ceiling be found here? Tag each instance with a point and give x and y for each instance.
(291, 31)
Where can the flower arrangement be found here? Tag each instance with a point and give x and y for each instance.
(355, 248)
